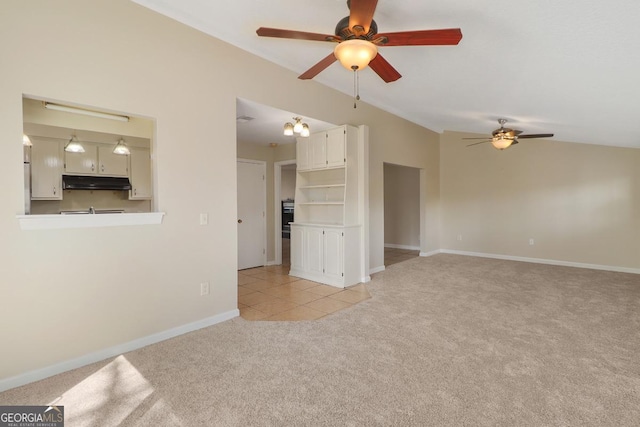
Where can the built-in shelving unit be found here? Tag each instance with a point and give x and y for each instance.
(325, 237)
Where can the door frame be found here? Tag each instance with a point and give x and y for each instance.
(277, 184)
(264, 204)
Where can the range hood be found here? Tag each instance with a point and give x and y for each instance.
(80, 182)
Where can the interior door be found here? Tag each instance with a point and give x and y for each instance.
(252, 199)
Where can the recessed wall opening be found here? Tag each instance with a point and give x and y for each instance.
(401, 213)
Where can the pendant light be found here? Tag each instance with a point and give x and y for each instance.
(121, 148)
(74, 146)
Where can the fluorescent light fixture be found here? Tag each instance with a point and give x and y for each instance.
(26, 141)
(121, 148)
(74, 146)
(67, 109)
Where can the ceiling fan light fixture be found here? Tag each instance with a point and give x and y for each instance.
(501, 141)
(355, 54)
(288, 129)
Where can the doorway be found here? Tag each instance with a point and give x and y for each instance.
(402, 225)
(284, 174)
(252, 206)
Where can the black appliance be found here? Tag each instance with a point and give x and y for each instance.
(287, 217)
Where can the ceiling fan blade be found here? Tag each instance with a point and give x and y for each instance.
(476, 143)
(476, 138)
(320, 66)
(536, 135)
(291, 34)
(451, 36)
(384, 69)
(362, 13)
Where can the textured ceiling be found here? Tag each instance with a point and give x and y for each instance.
(568, 67)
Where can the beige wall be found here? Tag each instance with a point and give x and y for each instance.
(580, 203)
(288, 187)
(401, 206)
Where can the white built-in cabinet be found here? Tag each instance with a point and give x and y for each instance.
(326, 234)
(97, 159)
(46, 169)
(140, 174)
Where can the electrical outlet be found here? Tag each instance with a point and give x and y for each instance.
(531, 242)
(204, 219)
(204, 288)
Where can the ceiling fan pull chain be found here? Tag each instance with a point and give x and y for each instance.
(356, 85)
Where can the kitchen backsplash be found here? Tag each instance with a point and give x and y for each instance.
(84, 199)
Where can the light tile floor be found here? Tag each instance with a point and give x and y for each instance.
(269, 293)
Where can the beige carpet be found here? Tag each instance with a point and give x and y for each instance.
(445, 340)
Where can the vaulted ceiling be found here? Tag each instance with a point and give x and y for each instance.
(569, 67)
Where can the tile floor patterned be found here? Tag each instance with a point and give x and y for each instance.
(269, 293)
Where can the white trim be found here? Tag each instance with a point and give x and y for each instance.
(277, 184)
(273, 263)
(264, 203)
(394, 246)
(432, 253)
(365, 279)
(53, 222)
(39, 374)
(377, 269)
(545, 261)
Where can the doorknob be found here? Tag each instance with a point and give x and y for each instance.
(239, 221)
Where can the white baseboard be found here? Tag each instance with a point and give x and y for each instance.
(376, 269)
(365, 279)
(432, 253)
(394, 246)
(40, 374)
(271, 263)
(545, 261)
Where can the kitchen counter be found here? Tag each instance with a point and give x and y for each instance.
(51, 222)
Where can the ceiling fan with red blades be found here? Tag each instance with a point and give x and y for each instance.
(360, 31)
(504, 137)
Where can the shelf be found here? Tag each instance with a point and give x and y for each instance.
(322, 186)
(321, 203)
(322, 169)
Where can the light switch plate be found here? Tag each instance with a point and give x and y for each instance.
(204, 219)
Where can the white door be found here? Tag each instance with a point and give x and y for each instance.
(252, 201)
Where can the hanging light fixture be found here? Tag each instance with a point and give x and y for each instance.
(501, 141)
(355, 53)
(74, 146)
(299, 128)
(26, 141)
(121, 148)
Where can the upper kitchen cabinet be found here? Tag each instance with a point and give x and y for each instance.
(46, 169)
(97, 159)
(324, 150)
(112, 164)
(140, 174)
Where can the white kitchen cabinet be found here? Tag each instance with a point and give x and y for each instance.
(302, 154)
(327, 255)
(82, 163)
(140, 174)
(46, 169)
(327, 232)
(97, 159)
(111, 164)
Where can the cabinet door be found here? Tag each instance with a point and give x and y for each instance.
(297, 248)
(318, 150)
(46, 170)
(111, 164)
(302, 154)
(82, 163)
(336, 147)
(333, 253)
(140, 174)
(313, 240)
